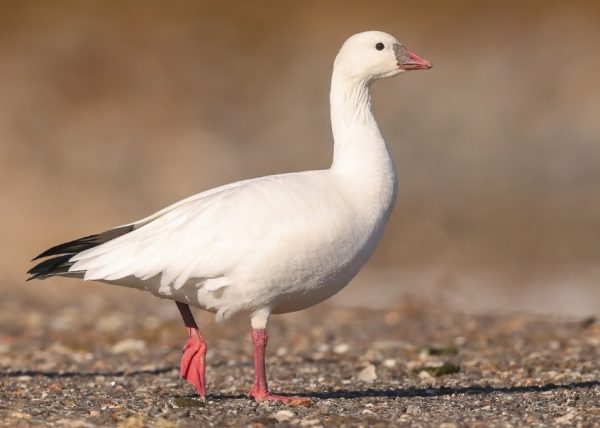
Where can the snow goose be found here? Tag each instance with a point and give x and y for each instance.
(267, 245)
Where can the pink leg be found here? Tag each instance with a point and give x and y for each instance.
(260, 390)
(192, 362)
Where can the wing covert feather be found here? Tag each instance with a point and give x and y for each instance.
(208, 236)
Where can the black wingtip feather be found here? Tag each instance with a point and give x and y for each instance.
(85, 243)
(53, 266)
(68, 247)
(60, 264)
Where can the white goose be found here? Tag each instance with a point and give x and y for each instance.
(266, 245)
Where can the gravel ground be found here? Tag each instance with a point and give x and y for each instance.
(111, 359)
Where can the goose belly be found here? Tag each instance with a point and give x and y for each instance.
(308, 276)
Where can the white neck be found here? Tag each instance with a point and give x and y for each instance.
(360, 153)
(357, 139)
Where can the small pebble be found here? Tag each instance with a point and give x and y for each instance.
(389, 363)
(368, 374)
(342, 348)
(283, 415)
(310, 422)
(128, 345)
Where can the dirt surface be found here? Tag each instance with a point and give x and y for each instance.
(110, 357)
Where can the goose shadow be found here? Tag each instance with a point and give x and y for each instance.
(444, 390)
(67, 374)
(427, 392)
(331, 394)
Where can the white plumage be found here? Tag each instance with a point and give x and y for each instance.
(279, 243)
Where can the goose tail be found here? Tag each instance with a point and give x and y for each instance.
(58, 257)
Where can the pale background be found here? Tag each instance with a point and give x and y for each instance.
(111, 110)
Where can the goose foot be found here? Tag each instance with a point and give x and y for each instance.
(285, 399)
(192, 367)
(260, 390)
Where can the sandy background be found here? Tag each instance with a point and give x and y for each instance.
(110, 111)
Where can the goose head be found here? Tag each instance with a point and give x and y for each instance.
(375, 55)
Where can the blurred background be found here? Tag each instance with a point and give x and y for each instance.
(111, 110)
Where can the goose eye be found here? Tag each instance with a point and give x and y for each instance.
(379, 46)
